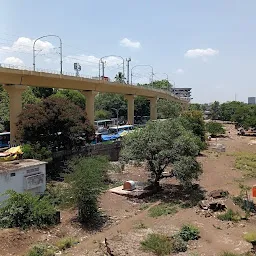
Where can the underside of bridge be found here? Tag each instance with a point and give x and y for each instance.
(16, 81)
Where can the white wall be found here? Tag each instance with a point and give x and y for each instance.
(18, 182)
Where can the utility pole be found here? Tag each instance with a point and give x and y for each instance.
(103, 69)
(128, 70)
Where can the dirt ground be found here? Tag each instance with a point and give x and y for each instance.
(125, 214)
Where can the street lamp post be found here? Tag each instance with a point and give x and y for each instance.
(101, 61)
(152, 71)
(117, 115)
(34, 56)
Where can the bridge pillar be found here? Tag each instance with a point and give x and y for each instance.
(15, 96)
(89, 106)
(153, 108)
(130, 114)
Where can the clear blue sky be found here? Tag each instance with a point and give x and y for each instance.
(207, 45)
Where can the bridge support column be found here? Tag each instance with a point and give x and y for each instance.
(15, 96)
(153, 108)
(130, 114)
(89, 108)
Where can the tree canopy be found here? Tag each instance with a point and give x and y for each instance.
(74, 96)
(53, 121)
(168, 109)
(161, 144)
(215, 128)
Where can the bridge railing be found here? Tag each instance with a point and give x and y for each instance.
(50, 71)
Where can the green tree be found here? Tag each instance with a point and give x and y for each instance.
(168, 109)
(215, 110)
(54, 122)
(86, 180)
(73, 95)
(26, 210)
(141, 106)
(120, 78)
(161, 144)
(215, 128)
(108, 101)
(41, 92)
(195, 106)
(193, 120)
(162, 84)
(28, 97)
(102, 114)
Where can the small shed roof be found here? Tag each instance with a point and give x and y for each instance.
(18, 165)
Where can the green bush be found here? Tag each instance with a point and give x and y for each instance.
(162, 209)
(42, 250)
(158, 244)
(215, 128)
(230, 215)
(66, 243)
(250, 237)
(25, 210)
(86, 180)
(36, 152)
(189, 232)
(178, 244)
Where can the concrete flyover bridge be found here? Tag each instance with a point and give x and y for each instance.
(15, 81)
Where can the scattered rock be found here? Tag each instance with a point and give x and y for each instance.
(220, 193)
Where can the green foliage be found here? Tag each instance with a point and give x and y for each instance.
(195, 106)
(35, 151)
(120, 78)
(158, 244)
(4, 107)
(246, 162)
(189, 232)
(108, 101)
(162, 84)
(102, 114)
(25, 210)
(215, 128)
(58, 194)
(42, 250)
(41, 92)
(54, 122)
(193, 121)
(250, 237)
(161, 144)
(71, 95)
(215, 110)
(66, 243)
(28, 97)
(168, 109)
(141, 106)
(162, 209)
(230, 215)
(86, 181)
(178, 244)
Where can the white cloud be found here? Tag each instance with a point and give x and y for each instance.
(125, 42)
(13, 61)
(179, 71)
(195, 53)
(25, 44)
(91, 60)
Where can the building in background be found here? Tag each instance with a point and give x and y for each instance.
(251, 100)
(183, 93)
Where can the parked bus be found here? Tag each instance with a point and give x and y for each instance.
(121, 128)
(4, 139)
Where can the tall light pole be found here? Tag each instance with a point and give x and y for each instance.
(152, 71)
(34, 56)
(117, 115)
(128, 70)
(101, 61)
